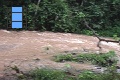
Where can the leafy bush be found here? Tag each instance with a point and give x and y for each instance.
(88, 75)
(68, 15)
(102, 16)
(116, 37)
(52, 16)
(104, 59)
(49, 74)
(61, 58)
(111, 32)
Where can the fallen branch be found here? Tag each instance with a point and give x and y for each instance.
(96, 35)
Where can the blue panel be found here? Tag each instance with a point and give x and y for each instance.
(16, 9)
(16, 16)
(16, 24)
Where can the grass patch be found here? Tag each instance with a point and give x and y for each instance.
(104, 59)
(49, 74)
(89, 75)
(61, 58)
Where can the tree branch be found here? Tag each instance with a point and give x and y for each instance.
(34, 17)
(37, 6)
(96, 35)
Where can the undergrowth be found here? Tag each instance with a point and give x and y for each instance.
(49, 74)
(103, 59)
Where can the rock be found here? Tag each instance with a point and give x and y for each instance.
(118, 70)
(37, 59)
(73, 53)
(118, 67)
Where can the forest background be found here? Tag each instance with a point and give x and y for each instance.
(67, 15)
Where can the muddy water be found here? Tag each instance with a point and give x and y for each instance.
(22, 48)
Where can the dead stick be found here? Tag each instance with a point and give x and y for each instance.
(100, 39)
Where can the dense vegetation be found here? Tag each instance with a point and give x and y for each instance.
(67, 15)
(51, 74)
(103, 59)
(110, 73)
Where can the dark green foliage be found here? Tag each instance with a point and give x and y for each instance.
(67, 15)
(104, 59)
(102, 16)
(89, 75)
(61, 58)
(49, 74)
